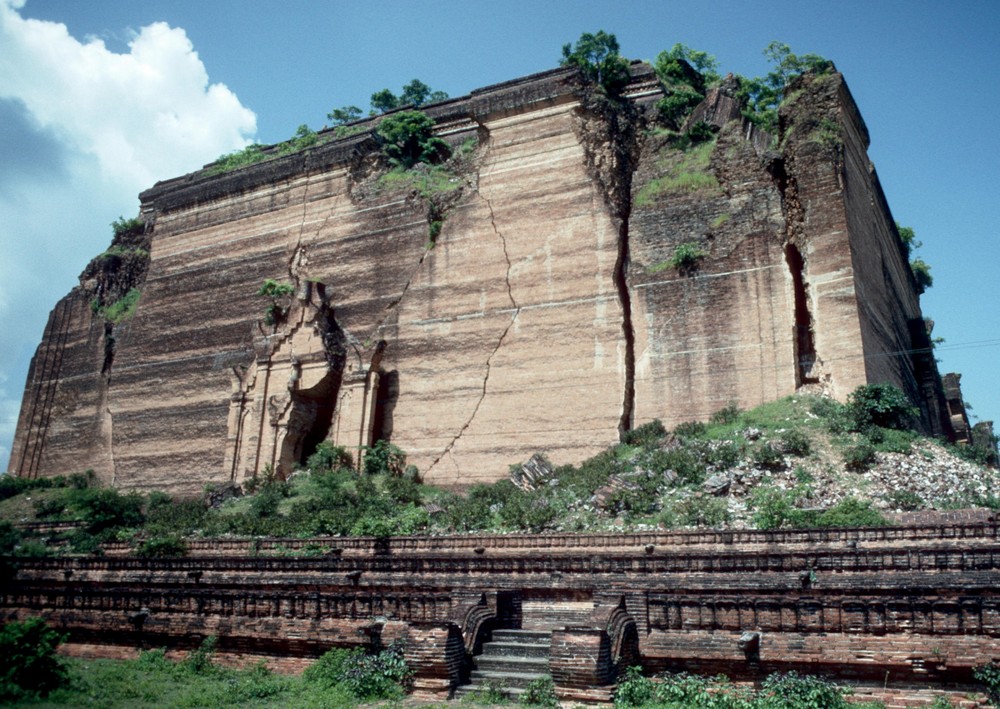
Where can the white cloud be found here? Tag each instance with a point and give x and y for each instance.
(87, 129)
(145, 115)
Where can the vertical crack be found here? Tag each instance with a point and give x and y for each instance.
(608, 132)
(500, 340)
(620, 278)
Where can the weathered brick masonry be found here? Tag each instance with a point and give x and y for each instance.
(895, 611)
(548, 280)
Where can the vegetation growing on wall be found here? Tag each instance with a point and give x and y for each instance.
(763, 94)
(599, 61)
(275, 291)
(688, 171)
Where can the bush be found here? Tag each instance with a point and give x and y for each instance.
(686, 257)
(860, 457)
(635, 689)
(407, 138)
(880, 405)
(646, 434)
(199, 661)
(851, 512)
(690, 429)
(765, 455)
(30, 665)
(794, 691)
(989, 675)
(168, 545)
(367, 677)
(540, 692)
(597, 58)
(726, 415)
(329, 458)
(383, 458)
(794, 442)
(107, 509)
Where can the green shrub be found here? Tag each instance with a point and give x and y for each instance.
(646, 434)
(880, 405)
(123, 227)
(329, 457)
(199, 660)
(904, 500)
(765, 455)
(989, 675)
(727, 414)
(851, 512)
(407, 138)
(699, 511)
(794, 442)
(30, 667)
(860, 457)
(540, 692)
(107, 509)
(384, 458)
(686, 256)
(123, 308)
(775, 508)
(889, 440)
(168, 545)
(597, 58)
(635, 689)
(368, 677)
(690, 429)
(791, 690)
(238, 158)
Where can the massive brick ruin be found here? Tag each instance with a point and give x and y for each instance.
(533, 307)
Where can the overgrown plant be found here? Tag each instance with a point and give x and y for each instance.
(30, 668)
(275, 291)
(687, 256)
(764, 94)
(407, 138)
(598, 59)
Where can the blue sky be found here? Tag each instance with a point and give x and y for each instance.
(99, 99)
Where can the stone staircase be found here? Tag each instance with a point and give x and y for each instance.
(509, 662)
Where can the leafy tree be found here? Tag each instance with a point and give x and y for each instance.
(30, 666)
(880, 405)
(704, 63)
(418, 93)
(384, 458)
(920, 268)
(384, 101)
(344, 114)
(763, 94)
(597, 58)
(407, 138)
(415, 93)
(304, 137)
(922, 273)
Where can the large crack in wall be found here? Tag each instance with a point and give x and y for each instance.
(610, 134)
(503, 336)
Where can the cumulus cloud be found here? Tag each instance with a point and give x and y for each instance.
(84, 130)
(146, 114)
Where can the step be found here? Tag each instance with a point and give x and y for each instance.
(510, 648)
(468, 689)
(501, 663)
(523, 636)
(508, 680)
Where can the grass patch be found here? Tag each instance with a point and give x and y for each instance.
(688, 172)
(425, 180)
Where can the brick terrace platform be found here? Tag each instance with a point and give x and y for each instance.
(900, 612)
